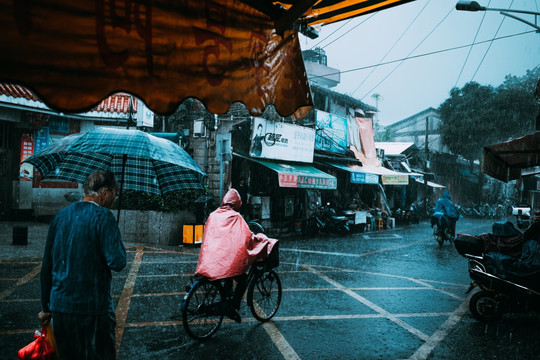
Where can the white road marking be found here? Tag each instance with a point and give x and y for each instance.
(425, 350)
(371, 305)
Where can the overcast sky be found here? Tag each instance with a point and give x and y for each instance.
(411, 86)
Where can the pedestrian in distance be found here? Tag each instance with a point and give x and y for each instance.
(83, 246)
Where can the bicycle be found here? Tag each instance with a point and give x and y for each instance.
(255, 227)
(207, 302)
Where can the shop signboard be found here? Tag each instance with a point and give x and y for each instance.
(281, 141)
(395, 180)
(27, 149)
(306, 181)
(331, 132)
(59, 125)
(364, 178)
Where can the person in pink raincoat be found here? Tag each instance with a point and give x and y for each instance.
(229, 248)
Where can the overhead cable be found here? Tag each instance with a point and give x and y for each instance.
(491, 43)
(470, 49)
(351, 29)
(332, 33)
(413, 50)
(425, 54)
(388, 52)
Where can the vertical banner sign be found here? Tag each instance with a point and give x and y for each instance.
(41, 139)
(331, 132)
(27, 150)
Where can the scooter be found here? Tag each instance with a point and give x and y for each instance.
(324, 219)
(442, 228)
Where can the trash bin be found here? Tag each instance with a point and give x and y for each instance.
(20, 235)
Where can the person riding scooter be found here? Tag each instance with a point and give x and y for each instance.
(448, 211)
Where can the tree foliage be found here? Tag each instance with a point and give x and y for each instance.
(478, 115)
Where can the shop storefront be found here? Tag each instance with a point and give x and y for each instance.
(281, 194)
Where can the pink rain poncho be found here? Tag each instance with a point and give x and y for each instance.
(228, 246)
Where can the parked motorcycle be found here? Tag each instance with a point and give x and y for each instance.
(443, 228)
(504, 266)
(497, 295)
(325, 220)
(523, 215)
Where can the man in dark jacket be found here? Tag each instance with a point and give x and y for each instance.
(83, 246)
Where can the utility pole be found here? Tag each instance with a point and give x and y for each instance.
(426, 147)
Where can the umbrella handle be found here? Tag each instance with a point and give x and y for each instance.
(124, 160)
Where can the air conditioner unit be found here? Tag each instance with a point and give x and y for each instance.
(199, 130)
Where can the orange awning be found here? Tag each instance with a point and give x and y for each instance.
(506, 161)
(73, 54)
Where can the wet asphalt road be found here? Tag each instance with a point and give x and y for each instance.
(390, 294)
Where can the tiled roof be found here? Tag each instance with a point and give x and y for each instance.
(16, 91)
(118, 103)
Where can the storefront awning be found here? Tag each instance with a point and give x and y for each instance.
(511, 159)
(358, 176)
(430, 184)
(300, 176)
(370, 174)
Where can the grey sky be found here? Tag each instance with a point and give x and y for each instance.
(425, 81)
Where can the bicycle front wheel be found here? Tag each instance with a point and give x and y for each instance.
(202, 309)
(264, 295)
(255, 227)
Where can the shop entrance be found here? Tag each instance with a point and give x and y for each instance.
(6, 168)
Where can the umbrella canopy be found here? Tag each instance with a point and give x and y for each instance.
(507, 160)
(152, 164)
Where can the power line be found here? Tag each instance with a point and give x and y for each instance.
(351, 29)
(326, 38)
(491, 43)
(470, 49)
(424, 39)
(423, 55)
(388, 52)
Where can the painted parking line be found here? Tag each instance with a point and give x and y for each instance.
(425, 350)
(125, 299)
(353, 255)
(382, 236)
(371, 305)
(29, 276)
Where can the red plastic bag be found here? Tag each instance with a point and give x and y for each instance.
(39, 349)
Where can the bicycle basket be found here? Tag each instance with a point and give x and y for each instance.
(272, 260)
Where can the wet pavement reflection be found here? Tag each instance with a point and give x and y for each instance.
(392, 294)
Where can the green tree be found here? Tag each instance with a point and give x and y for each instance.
(477, 115)
(466, 120)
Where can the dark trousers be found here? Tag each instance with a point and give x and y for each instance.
(241, 283)
(85, 336)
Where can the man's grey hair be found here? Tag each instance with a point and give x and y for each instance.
(99, 180)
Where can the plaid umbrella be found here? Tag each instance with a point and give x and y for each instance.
(150, 164)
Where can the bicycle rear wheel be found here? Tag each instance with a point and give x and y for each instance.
(264, 295)
(202, 309)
